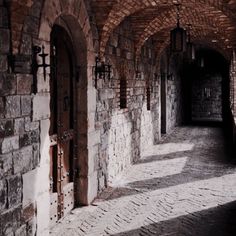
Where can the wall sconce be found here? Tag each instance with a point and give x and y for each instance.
(138, 74)
(156, 76)
(170, 76)
(36, 50)
(101, 70)
(202, 62)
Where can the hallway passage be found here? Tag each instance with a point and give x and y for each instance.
(182, 186)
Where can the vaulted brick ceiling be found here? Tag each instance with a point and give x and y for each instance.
(213, 21)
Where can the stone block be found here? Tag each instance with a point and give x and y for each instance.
(14, 184)
(19, 126)
(22, 64)
(9, 144)
(24, 84)
(4, 41)
(32, 227)
(41, 109)
(26, 40)
(31, 27)
(3, 195)
(16, 215)
(30, 126)
(13, 107)
(26, 105)
(29, 138)
(29, 187)
(6, 223)
(35, 9)
(34, 136)
(24, 140)
(3, 63)
(21, 231)
(5, 165)
(6, 128)
(22, 160)
(7, 84)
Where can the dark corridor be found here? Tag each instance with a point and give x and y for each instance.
(205, 83)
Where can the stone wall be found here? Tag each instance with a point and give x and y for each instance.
(207, 97)
(25, 115)
(19, 136)
(126, 132)
(170, 67)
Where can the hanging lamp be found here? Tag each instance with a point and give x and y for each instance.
(190, 46)
(178, 35)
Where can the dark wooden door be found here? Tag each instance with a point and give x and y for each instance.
(62, 126)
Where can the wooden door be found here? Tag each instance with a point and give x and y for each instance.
(62, 126)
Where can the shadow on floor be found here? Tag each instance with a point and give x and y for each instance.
(218, 221)
(204, 162)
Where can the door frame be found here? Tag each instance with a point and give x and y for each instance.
(60, 32)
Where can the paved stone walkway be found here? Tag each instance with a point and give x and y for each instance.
(184, 186)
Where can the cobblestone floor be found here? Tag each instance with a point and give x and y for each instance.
(184, 186)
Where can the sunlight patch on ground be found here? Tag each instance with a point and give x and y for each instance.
(150, 170)
(132, 212)
(180, 200)
(168, 148)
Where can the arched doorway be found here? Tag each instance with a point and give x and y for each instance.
(63, 124)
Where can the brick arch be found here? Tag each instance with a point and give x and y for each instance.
(124, 8)
(74, 8)
(167, 19)
(197, 39)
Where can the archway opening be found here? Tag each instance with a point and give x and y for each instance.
(205, 87)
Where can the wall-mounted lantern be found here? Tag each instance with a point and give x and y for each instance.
(35, 52)
(170, 76)
(202, 62)
(101, 70)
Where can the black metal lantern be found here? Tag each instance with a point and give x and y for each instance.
(190, 47)
(101, 70)
(178, 36)
(190, 51)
